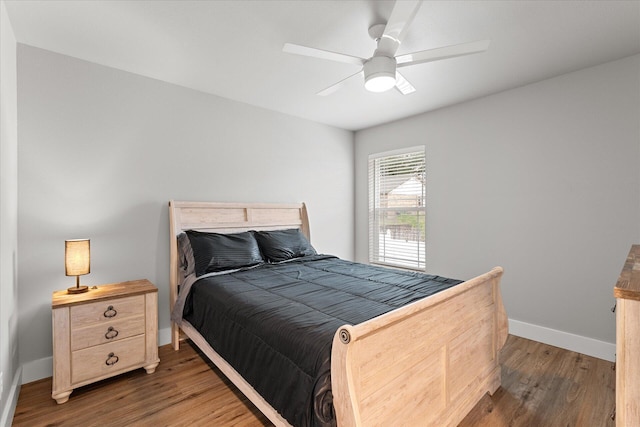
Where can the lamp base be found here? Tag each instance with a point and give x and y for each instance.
(77, 289)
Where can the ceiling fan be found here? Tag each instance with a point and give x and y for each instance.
(380, 71)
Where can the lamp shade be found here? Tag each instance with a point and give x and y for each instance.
(77, 257)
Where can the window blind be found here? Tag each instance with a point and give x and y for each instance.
(397, 211)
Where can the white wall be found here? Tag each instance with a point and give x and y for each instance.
(102, 151)
(542, 180)
(9, 367)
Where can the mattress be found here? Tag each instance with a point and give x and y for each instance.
(275, 323)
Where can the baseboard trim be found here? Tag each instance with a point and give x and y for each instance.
(12, 400)
(164, 336)
(37, 369)
(566, 340)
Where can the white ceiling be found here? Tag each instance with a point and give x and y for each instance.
(234, 48)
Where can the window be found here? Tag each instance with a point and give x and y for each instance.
(397, 211)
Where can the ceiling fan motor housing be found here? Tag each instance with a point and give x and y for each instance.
(380, 73)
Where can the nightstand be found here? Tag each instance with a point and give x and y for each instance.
(101, 333)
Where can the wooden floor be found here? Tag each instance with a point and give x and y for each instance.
(541, 386)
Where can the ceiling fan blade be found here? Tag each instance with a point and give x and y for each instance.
(403, 86)
(401, 17)
(442, 53)
(322, 54)
(336, 86)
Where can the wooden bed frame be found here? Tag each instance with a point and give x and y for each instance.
(427, 363)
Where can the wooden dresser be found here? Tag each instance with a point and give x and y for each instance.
(627, 293)
(101, 333)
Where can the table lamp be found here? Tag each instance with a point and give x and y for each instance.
(77, 262)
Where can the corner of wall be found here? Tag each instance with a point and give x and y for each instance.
(9, 408)
(9, 365)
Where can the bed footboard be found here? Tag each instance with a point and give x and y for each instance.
(427, 363)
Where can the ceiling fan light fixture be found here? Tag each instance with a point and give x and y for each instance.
(380, 74)
(380, 82)
(379, 71)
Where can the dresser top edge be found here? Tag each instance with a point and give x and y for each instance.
(628, 285)
(102, 292)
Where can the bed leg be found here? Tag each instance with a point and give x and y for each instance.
(175, 336)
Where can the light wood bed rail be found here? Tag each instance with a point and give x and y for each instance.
(427, 363)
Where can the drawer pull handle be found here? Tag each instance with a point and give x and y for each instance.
(110, 312)
(111, 333)
(112, 359)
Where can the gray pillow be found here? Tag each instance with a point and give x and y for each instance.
(217, 252)
(282, 245)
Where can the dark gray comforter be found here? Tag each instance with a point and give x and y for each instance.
(275, 323)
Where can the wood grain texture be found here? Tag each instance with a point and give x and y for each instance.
(541, 386)
(428, 362)
(627, 292)
(93, 313)
(247, 389)
(102, 292)
(628, 363)
(151, 332)
(185, 390)
(104, 332)
(628, 285)
(91, 363)
(544, 385)
(61, 387)
(115, 330)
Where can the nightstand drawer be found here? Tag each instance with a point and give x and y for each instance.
(107, 332)
(106, 359)
(106, 311)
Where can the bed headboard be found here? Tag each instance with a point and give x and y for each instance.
(227, 218)
(236, 217)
